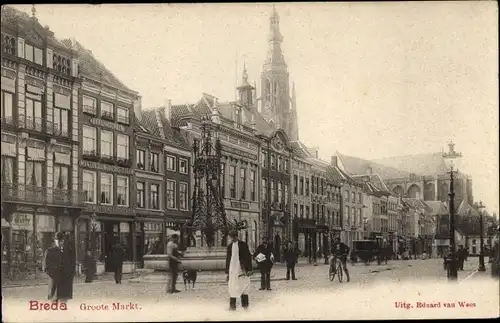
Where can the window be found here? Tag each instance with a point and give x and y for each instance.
(301, 185)
(29, 52)
(171, 163)
(122, 146)
(183, 166)
(89, 186)
(107, 110)
(170, 194)
(89, 140)
(346, 215)
(38, 56)
(232, 181)
(155, 162)
(122, 115)
(307, 211)
(33, 114)
(89, 105)
(141, 195)
(61, 177)
(307, 187)
(122, 191)
(353, 197)
(155, 196)
(252, 185)
(7, 169)
(34, 173)
(273, 161)
(280, 192)
(106, 144)
(106, 188)
(273, 191)
(7, 107)
(346, 196)
(295, 184)
(286, 194)
(295, 209)
(302, 211)
(141, 159)
(61, 122)
(243, 182)
(223, 179)
(264, 189)
(264, 159)
(360, 200)
(183, 196)
(280, 161)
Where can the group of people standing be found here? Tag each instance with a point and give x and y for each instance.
(59, 264)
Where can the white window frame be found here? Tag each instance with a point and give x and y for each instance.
(170, 158)
(102, 186)
(36, 50)
(157, 194)
(119, 145)
(90, 109)
(29, 49)
(107, 104)
(144, 194)
(187, 166)
(167, 190)
(187, 196)
(110, 143)
(94, 184)
(118, 187)
(94, 133)
(122, 117)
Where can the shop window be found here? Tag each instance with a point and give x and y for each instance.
(126, 241)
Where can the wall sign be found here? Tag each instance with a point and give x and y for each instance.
(238, 152)
(105, 167)
(110, 209)
(239, 205)
(107, 124)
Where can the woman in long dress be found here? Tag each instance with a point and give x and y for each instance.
(238, 270)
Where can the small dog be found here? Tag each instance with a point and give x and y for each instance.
(189, 276)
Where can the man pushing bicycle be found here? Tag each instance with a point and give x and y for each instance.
(339, 251)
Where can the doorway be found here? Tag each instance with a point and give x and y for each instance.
(110, 237)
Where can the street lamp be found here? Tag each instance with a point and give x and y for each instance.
(451, 159)
(480, 208)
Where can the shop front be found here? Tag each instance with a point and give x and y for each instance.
(103, 227)
(305, 235)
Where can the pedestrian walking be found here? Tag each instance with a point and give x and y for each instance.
(174, 263)
(117, 256)
(59, 264)
(238, 270)
(264, 254)
(89, 267)
(461, 254)
(290, 255)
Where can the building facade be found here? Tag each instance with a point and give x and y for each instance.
(40, 143)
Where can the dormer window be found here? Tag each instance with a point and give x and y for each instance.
(9, 44)
(61, 64)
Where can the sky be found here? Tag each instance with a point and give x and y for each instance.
(372, 79)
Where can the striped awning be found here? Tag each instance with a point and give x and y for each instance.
(8, 149)
(62, 158)
(36, 154)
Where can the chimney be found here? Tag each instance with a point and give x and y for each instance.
(334, 161)
(168, 109)
(138, 108)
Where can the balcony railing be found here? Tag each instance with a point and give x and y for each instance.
(41, 195)
(38, 124)
(108, 115)
(88, 109)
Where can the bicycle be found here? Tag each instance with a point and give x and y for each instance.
(335, 269)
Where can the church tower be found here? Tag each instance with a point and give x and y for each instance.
(277, 107)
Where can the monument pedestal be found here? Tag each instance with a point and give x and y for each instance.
(197, 258)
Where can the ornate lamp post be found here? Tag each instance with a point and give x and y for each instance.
(451, 159)
(480, 208)
(209, 215)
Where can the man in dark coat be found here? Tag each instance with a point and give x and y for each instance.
(89, 266)
(238, 270)
(266, 264)
(60, 267)
(290, 255)
(461, 254)
(117, 262)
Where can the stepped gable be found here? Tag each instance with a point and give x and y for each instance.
(419, 164)
(358, 166)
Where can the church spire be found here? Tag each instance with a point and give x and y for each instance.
(294, 126)
(275, 54)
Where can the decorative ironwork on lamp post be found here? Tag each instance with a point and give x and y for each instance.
(451, 159)
(209, 215)
(480, 208)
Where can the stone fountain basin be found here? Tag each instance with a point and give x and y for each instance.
(198, 258)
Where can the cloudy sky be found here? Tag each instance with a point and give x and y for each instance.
(372, 80)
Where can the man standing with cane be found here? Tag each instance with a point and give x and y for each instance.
(174, 263)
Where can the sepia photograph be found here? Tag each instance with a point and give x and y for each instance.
(250, 161)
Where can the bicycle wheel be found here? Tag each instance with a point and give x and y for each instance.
(340, 274)
(331, 273)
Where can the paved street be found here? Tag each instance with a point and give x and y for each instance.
(312, 282)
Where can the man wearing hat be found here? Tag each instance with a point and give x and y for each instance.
(59, 266)
(238, 270)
